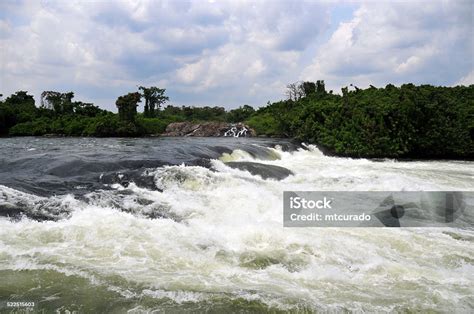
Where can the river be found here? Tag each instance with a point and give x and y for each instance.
(117, 225)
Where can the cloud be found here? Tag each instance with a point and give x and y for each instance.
(228, 52)
(398, 42)
(466, 80)
(193, 47)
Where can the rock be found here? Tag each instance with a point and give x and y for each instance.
(263, 170)
(125, 178)
(209, 129)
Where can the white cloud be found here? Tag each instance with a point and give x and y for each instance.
(193, 46)
(237, 51)
(397, 42)
(229, 65)
(466, 80)
(256, 68)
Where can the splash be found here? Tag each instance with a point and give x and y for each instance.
(236, 131)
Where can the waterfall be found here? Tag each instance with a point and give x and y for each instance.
(242, 132)
(235, 132)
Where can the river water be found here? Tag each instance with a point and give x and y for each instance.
(117, 225)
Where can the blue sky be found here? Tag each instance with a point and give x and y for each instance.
(230, 53)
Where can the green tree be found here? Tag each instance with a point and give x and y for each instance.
(240, 114)
(320, 87)
(127, 106)
(308, 88)
(21, 98)
(154, 98)
(86, 109)
(17, 108)
(60, 103)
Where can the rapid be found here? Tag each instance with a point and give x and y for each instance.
(137, 225)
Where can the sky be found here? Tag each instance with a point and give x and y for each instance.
(230, 53)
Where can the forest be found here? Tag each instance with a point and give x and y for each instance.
(58, 114)
(391, 122)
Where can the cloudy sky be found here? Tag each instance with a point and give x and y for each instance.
(230, 53)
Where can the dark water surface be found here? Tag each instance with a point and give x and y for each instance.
(48, 166)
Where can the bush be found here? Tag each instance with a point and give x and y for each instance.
(265, 124)
(409, 121)
(36, 127)
(154, 126)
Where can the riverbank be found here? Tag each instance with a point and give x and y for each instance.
(390, 122)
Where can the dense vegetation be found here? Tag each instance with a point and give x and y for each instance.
(407, 121)
(58, 114)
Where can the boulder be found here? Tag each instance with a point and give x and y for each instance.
(263, 170)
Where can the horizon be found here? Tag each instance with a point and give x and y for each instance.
(230, 53)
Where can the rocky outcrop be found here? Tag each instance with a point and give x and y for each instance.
(263, 170)
(209, 129)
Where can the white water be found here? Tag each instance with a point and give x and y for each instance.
(234, 132)
(227, 237)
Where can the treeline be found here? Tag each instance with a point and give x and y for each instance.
(188, 113)
(59, 114)
(408, 121)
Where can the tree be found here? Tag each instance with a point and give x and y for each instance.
(154, 98)
(127, 106)
(21, 98)
(17, 108)
(240, 114)
(86, 109)
(294, 91)
(320, 88)
(61, 103)
(308, 88)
